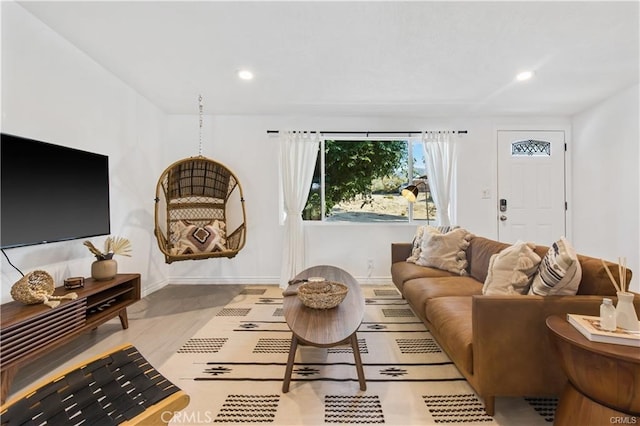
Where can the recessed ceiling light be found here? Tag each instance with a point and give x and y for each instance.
(245, 75)
(525, 75)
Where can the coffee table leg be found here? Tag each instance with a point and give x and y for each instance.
(289, 370)
(358, 359)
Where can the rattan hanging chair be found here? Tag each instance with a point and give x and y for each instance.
(200, 211)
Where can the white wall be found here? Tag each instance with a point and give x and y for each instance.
(241, 142)
(53, 92)
(606, 184)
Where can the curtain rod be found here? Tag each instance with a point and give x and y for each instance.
(367, 133)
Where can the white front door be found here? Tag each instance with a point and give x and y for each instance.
(531, 186)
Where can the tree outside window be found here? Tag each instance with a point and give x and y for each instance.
(361, 181)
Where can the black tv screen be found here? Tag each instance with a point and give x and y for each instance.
(51, 193)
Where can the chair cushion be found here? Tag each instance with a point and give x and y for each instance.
(189, 238)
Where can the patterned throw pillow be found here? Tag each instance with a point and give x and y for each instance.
(417, 239)
(189, 238)
(445, 251)
(559, 272)
(512, 270)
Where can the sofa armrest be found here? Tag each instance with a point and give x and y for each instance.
(512, 352)
(400, 251)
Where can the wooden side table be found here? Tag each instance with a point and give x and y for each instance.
(604, 379)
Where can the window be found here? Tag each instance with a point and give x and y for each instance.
(362, 180)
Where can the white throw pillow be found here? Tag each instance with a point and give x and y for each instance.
(417, 239)
(512, 270)
(559, 272)
(445, 251)
(417, 242)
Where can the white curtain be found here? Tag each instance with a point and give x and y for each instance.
(298, 153)
(439, 150)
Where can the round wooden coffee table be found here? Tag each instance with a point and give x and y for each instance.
(324, 327)
(604, 378)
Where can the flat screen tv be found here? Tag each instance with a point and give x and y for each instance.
(50, 192)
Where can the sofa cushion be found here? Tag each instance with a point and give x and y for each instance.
(511, 271)
(450, 322)
(420, 291)
(445, 251)
(402, 272)
(559, 273)
(479, 255)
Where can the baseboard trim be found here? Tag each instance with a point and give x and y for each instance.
(150, 288)
(179, 280)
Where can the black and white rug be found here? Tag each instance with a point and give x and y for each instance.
(233, 369)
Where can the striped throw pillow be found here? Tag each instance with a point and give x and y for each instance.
(559, 272)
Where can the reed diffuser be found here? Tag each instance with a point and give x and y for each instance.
(626, 316)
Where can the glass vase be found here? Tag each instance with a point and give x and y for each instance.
(626, 316)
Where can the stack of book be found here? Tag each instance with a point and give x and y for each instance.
(589, 326)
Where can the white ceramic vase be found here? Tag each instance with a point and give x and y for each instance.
(626, 316)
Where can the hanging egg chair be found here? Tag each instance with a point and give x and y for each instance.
(199, 210)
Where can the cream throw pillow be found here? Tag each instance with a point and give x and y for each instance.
(417, 239)
(445, 251)
(559, 272)
(512, 270)
(417, 242)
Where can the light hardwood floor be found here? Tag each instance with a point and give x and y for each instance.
(158, 326)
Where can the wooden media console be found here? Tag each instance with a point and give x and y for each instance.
(30, 331)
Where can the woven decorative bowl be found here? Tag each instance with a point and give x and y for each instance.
(322, 295)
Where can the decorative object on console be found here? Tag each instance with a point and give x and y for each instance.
(73, 282)
(512, 270)
(559, 273)
(103, 270)
(626, 316)
(105, 267)
(37, 287)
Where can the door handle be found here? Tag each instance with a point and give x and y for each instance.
(503, 217)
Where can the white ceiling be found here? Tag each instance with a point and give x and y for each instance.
(359, 58)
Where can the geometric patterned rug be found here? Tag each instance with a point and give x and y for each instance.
(233, 368)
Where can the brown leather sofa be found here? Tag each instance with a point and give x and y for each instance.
(500, 344)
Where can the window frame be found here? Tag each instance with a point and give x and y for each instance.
(410, 141)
